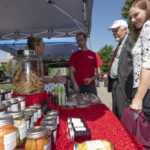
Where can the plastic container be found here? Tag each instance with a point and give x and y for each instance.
(20, 124)
(8, 133)
(37, 139)
(27, 73)
(21, 102)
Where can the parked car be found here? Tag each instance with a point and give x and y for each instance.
(5, 77)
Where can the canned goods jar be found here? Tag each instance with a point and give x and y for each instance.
(7, 104)
(54, 112)
(27, 119)
(51, 117)
(14, 104)
(35, 116)
(20, 124)
(27, 73)
(21, 102)
(8, 133)
(53, 128)
(37, 139)
(2, 108)
(31, 115)
(38, 106)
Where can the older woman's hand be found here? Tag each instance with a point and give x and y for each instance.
(136, 104)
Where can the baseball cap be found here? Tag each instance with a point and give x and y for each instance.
(117, 24)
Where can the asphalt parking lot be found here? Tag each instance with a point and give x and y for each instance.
(106, 97)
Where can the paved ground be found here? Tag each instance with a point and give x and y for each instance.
(106, 97)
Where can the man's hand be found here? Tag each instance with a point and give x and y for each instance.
(87, 81)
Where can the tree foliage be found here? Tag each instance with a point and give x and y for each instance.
(125, 11)
(106, 54)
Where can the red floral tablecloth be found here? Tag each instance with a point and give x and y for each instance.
(103, 125)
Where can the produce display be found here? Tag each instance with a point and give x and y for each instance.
(83, 99)
(24, 83)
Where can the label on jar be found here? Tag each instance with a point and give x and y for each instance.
(39, 113)
(48, 146)
(10, 141)
(80, 129)
(22, 131)
(27, 124)
(14, 107)
(35, 117)
(22, 105)
(55, 136)
(95, 144)
(78, 124)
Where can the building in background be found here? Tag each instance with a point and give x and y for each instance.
(5, 61)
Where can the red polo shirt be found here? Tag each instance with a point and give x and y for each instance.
(84, 63)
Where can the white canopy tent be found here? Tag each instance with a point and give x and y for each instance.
(45, 18)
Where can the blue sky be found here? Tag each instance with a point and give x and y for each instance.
(103, 15)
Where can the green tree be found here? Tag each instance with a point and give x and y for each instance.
(9, 67)
(125, 11)
(106, 54)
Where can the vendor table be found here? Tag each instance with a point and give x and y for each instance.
(103, 125)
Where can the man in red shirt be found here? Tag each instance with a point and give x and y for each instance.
(83, 67)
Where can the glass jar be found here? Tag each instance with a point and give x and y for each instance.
(27, 73)
(20, 124)
(27, 119)
(7, 133)
(37, 137)
(51, 117)
(38, 106)
(2, 108)
(31, 115)
(14, 104)
(21, 102)
(35, 116)
(54, 112)
(7, 104)
(52, 126)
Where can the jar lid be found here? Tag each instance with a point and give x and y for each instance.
(48, 122)
(52, 112)
(20, 98)
(6, 102)
(13, 100)
(2, 105)
(26, 116)
(6, 119)
(50, 117)
(27, 52)
(29, 111)
(34, 109)
(36, 132)
(52, 126)
(16, 114)
(35, 105)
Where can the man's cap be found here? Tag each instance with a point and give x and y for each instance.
(117, 24)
